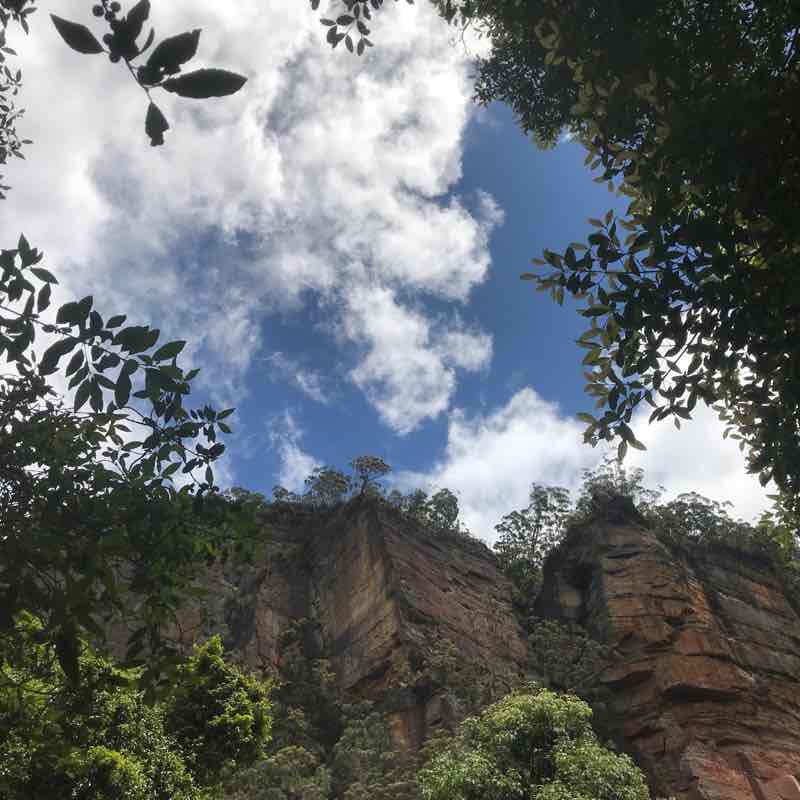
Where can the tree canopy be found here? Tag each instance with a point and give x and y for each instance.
(532, 743)
(686, 108)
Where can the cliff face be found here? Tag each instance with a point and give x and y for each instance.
(389, 602)
(705, 669)
(386, 596)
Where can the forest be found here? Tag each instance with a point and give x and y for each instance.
(111, 503)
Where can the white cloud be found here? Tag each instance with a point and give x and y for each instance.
(408, 370)
(697, 459)
(308, 381)
(295, 463)
(326, 174)
(491, 460)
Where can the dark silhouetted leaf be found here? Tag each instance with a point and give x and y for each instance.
(78, 37)
(51, 356)
(204, 83)
(82, 395)
(43, 301)
(169, 350)
(155, 124)
(43, 275)
(75, 363)
(173, 51)
(122, 390)
(136, 18)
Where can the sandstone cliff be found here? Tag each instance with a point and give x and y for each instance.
(704, 671)
(705, 667)
(385, 596)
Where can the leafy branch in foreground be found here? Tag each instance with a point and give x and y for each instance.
(10, 84)
(163, 64)
(92, 529)
(692, 294)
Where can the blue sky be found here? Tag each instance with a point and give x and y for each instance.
(340, 243)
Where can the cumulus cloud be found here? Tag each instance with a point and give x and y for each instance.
(491, 459)
(697, 459)
(324, 175)
(296, 464)
(408, 369)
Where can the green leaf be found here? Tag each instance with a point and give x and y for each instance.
(595, 311)
(155, 124)
(226, 413)
(44, 275)
(116, 321)
(122, 391)
(168, 351)
(78, 37)
(203, 83)
(173, 51)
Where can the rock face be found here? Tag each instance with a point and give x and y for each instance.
(705, 673)
(386, 599)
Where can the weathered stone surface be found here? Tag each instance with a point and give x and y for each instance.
(385, 592)
(705, 671)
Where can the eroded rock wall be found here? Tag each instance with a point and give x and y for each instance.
(385, 594)
(705, 673)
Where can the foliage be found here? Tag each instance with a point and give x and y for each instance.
(97, 740)
(307, 706)
(87, 539)
(365, 765)
(164, 62)
(367, 470)
(327, 487)
(291, 773)
(527, 536)
(532, 743)
(565, 655)
(698, 302)
(610, 479)
(437, 513)
(220, 716)
(10, 84)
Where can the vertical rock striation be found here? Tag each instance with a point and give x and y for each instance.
(704, 675)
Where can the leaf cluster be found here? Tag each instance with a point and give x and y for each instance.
(690, 296)
(163, 66)
(93, 528)
(10, 84)
(532, 743)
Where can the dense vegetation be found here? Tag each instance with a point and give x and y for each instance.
(108, 508)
